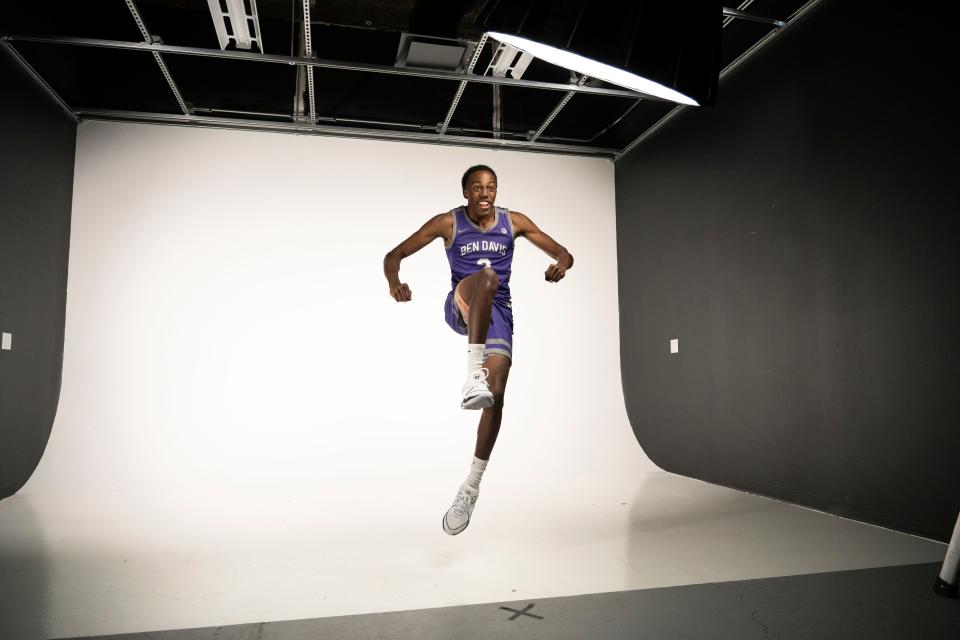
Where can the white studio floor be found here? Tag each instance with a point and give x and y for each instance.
(102, 564)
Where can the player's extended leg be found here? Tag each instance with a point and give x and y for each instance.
(474, 299)
(457, 517)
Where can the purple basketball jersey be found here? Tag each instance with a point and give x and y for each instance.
(472, 249)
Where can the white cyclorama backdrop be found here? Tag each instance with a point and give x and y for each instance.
(251, 429)
(246, 410)
(229, 326)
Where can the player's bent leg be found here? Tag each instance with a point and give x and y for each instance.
(477, 291)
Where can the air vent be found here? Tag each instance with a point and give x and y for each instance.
(429, 52)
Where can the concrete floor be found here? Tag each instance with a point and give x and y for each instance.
(890, 603)
(105, 564)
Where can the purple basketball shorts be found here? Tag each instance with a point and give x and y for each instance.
(500, 334)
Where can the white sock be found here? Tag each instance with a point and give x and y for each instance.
(474, 357)
(476, 472)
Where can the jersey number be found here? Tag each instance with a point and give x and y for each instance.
(484, 262)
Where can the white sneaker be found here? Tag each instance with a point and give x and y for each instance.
(476, 391)
(457, 516)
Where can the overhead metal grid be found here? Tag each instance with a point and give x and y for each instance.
(325, 64)
(423, 132)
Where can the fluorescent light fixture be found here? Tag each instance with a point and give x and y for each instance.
(509, 60)
(592, 68)
(241, 22)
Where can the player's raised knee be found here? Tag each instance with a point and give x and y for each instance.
(489, 279)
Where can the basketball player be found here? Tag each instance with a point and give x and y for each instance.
(479, 242)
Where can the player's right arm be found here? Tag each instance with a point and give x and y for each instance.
(439, 226)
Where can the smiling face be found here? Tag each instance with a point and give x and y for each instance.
(481, 193)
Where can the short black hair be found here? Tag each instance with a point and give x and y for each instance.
(474, 169)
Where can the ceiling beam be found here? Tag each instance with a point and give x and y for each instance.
(326, 64)
(743, 5)
(343, 132)
(557, 110)
(278, 116)
(735, 13)
(308, 48)
(463, 85)
(156, 56)
(9, 48)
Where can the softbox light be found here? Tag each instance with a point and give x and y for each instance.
(669, 49)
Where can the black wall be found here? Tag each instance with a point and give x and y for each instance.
(36, 190)
(799, 239)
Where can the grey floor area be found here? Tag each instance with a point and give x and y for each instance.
(879, 604)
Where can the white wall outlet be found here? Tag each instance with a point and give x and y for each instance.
(675, 345)
(7, 343)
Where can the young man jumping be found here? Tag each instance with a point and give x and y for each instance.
(479, 241)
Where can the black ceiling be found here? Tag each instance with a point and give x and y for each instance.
(64, 42)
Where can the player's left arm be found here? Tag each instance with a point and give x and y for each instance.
(524, 226)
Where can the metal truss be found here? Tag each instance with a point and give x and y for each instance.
(343, 132)
(463, 85)
(308, 44)
(735, 13)
(28, 68)
(156, 55)
(325, 64)
(556, 110)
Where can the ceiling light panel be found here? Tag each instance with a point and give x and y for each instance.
(666, 49)
(236, 21)
(593, 68)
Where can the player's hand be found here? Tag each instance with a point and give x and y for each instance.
(555, 273)
(401, 292)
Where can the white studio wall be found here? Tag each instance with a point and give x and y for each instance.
(229, 325)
